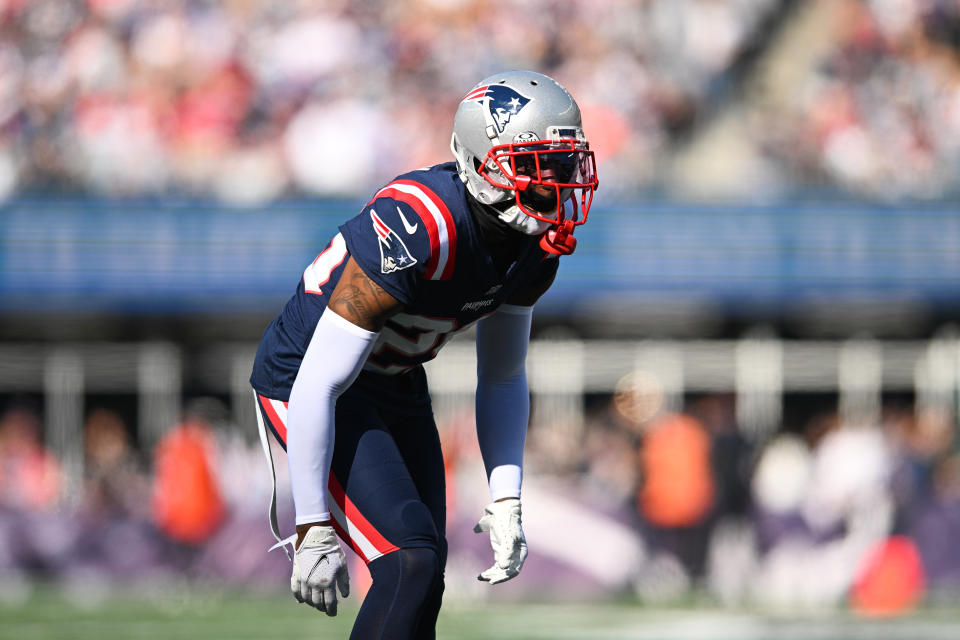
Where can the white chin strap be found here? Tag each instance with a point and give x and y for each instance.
(523, 223)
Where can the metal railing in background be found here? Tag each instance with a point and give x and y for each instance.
(758, 369)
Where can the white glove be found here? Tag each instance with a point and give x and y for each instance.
(502, 520)
(317, 564)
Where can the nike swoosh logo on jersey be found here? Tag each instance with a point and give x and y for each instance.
(411, 228)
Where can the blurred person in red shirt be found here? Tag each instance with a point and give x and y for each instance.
(30, 476)
(188, 506)
(675, 494)
(677, 491)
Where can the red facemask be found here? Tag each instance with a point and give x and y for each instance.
(545, 176)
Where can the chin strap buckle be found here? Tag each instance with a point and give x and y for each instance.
(559, 241)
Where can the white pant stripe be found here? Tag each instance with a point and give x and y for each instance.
(369, 551)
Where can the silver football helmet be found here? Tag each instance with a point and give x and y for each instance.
(519, 145)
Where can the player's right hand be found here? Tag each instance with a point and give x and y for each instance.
(318, 563)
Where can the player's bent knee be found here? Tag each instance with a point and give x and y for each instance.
(413, 574)
(405, 596)
(421, 566)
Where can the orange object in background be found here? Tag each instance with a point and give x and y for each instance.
(187, 504)
(677, 479)
(891, 580)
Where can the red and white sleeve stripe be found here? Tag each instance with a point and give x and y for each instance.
(318, 273)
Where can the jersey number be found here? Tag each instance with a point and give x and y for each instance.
(318, 273)
(408, 338)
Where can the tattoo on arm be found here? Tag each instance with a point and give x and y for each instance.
(360, 300)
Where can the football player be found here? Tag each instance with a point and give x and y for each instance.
(338, 376)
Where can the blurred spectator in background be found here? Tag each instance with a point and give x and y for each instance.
(926, 489)
(187, 503)
(111, 533)
(612, 441)
(610, 469)
(677, 491)
(659, 462)
(31, 490)
(921, 442)
(822, 504)
(116, 483)
(935, 526)
(731, 454)
(234, 552)
(30, 477)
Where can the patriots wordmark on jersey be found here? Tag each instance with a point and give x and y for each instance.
(419, 241)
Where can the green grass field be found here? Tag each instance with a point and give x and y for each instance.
(192, 614)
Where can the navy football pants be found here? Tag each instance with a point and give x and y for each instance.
(387, 499)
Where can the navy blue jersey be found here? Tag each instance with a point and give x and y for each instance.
(418, 240)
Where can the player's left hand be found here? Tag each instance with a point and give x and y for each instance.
(502, 520)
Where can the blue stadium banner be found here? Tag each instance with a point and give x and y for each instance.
(201, 257)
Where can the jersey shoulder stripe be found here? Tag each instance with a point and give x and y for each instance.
(437, 220)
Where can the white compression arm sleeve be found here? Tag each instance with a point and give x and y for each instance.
(332, 362)
(503, 402)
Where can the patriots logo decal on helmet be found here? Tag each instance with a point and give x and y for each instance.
(394, 255)
(501, 101)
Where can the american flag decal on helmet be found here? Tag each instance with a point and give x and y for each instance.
(394, 255)
(501, 101)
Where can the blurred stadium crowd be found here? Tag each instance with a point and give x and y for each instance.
(821, 514)
(251, 101)
(879, 113)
